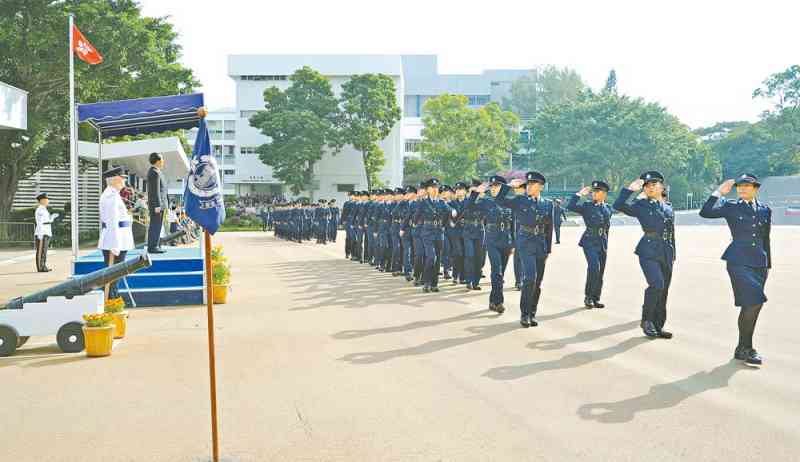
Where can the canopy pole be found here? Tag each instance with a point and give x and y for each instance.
(100, 170)
(73, 155)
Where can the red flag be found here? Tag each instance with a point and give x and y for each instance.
(85, 50)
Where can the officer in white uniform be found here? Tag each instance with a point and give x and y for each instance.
(116, 234)
(43, 232)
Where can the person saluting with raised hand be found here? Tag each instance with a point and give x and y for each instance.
(656, 248)
(594, 241)
(748, 256)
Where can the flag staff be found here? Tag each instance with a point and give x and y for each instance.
(73, 157)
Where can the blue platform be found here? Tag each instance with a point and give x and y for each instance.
(175, 277)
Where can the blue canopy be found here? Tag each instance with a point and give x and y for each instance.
(143, 115)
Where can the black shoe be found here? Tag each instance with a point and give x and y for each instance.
(409, 278)
(469, 286)
(156, 251)
(533, 321)
(517, 287)
(597, 304)
(434, 289)
(650, 329)
(455, 282)
(447, 276)
(417, 283)
(395, 273)
(462, 282)
(588, 303)
(740, 353)
(493, 307)
(753, 358)
(664, 334)
(426, 289)
(524, 322)
(476, 287)
(500, 308)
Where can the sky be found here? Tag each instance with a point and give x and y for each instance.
(700, 59)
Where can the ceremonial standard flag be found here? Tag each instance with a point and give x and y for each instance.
(83, 48)
(203, 197)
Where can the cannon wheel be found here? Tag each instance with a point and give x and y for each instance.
(70, 337)
(22, 340)
(8, 341)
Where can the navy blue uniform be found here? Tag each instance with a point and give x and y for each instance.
(558, 217)
(473, 236)
(333, 222)
(748, 256)
(454, 235)
(498, 240)
(594, 241)
(432, 214)
(533, 244)
(656, 251)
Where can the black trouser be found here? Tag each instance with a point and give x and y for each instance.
(154, 230)
(41, 245)
(107, 258)
(658, 273)
(433, 261)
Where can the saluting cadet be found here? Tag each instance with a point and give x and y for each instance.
(446, 194)
(499, 235)
(534, 240)
(454, 234)
(473, 236)
(517, 265)
(398, 212)
(748, 256)
(333, 220)
(116, 235)
(43, 232)
(432, 212)
(559, 216)
(594, 241)
(656, 248)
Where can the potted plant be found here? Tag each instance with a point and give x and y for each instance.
(116, 307)
(221, 275)
(98, 333)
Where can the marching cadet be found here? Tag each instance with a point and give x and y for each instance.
(43, 232)
(398, 213)
(534, 215)
(748, 256)
(656, 248)
(405, 232)
(321, 217)
(473, 236)
(416, 235)
(116, 235)
(333, 220)
(346, 219)
(499, 235)
(454, 234)
(446, 194)
(594, 241)
(520, 191)
(383, 217)
(559, 216)
(432, 212)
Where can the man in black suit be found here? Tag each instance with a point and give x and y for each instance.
(157, 202)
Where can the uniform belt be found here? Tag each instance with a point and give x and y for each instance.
(533, 230)
(121, 224)
(597, 231)
(500, 227)
(664, 236)
(432, 222)
(397, 221)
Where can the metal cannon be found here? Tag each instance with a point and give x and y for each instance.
(83, 284)
(168, 239)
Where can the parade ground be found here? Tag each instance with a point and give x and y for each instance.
(323, 359)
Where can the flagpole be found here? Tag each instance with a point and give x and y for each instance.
(73, 157)
(212, 359)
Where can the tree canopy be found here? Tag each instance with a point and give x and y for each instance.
(141, 57)
(543, 87)
(301, 122)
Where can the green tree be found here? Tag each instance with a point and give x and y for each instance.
(460, 142)
(370, 111)
(141, 58)
(783, 121)
(616, 137)
(301, 122)
(415, 171)
(550, 85)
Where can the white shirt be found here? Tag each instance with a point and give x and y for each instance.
(113, 212)
(43, 220)
(172, 217)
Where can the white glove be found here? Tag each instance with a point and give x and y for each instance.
(115, 252)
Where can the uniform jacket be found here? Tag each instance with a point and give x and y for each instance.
(534, 221)
(750, 230)
(116, 232)
(43, 222)
(499, 220)
(658, 222)
(432, 215)
(597, 218)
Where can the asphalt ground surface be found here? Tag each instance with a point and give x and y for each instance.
(323, 359)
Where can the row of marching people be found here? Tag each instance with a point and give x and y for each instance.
(299, 221)
(416, 232)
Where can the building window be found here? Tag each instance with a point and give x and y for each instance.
(229, 150)
(478, 100)
(247, 114)
(217, 149)
(345, 187)
(413, 145)
(229, 172)
(248, 150)
(264, 77)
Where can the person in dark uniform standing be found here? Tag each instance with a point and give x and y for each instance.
(157, 202)
(346, 218)
(594, 241)
(405, 232)
(446, 194)
(748, 256)
(559, 216)
(454, 234)
(534, 215)
(397, 212)
(433, 213)
(333, 221)
(656, 248)
(473, 236)
(416, 235)
(43, 232)
(499, 236)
